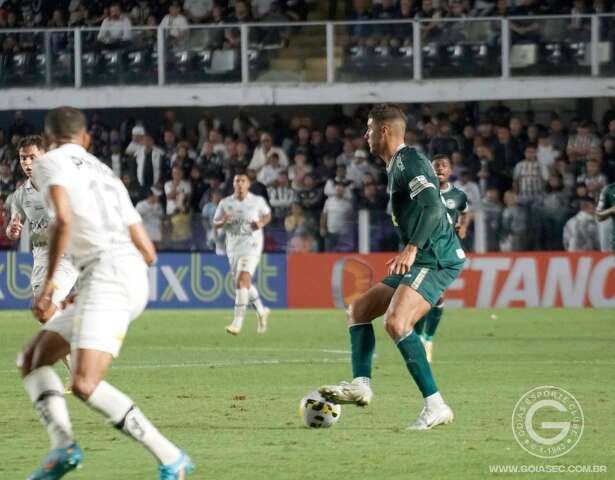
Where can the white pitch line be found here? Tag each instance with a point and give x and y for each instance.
(248, 349)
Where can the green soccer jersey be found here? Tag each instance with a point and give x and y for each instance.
(607, 200)
(455, 201)
(409, 174)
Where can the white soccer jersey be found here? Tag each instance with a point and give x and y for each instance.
(99, 202)
(29, 203)
(241, 239)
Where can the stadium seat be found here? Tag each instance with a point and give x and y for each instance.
(224, 65)
(523, 55)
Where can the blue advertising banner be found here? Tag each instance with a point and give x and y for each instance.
(178, 280)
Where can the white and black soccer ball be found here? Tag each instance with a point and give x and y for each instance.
(318, 412)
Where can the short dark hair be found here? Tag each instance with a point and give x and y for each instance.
(441, 156)
(30, 141)
(387, 112)
(65, 122)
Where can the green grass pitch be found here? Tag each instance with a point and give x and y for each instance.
(232, 402)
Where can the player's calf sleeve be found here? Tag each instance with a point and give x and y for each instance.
(363, 343)
(241, 302)
(126, 417)
(433, 318)
(47, 394)
(419, 327)
(255, 300)
(413, 353)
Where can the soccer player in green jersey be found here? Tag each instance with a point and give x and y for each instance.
(457, 207)
(430, 261)
(606, 208)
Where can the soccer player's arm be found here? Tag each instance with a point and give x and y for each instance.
(220, 218)
(264, 213)
(52, 179)
(605, 209)
(465, 217)
(427, 195)
(13, 229)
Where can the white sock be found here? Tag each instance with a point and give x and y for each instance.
(434, 401)
(47, 394)
(255, 300)
(363, 380)
(241, 302)
(122, 413)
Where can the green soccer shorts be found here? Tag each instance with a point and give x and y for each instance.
(429, 283)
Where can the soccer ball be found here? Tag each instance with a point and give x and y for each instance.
(318, 412)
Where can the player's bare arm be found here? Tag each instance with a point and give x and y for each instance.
(400, 264)
(13, 230)
(464, 222)
(58, 241)
(142, 242)
(603, 215)
(261, 222)
(226, 218)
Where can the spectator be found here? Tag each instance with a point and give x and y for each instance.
(580, 146)
(116, 28)
(148, 166)
(20, 125)
(341, 178)
(492, 210)
(555, 212)
(5, 242)
(581, 231)
(608, 158)
(150, 210)
(116, 160)
(138, 141)
(358, 168)
(214, 237)
(281, 197)
(559, 139)
(336, 221)
(7, 182)
(256, 187)
(432, 31)
(262, 152)
(140, 12)
(176, 191)
(529, 177)
(198, 11)
(593, 179)
(175, 26)
(270, 172)
(444, 143)
(311, 197)
(514, 225)
(302, 143)
(332, 145)
(298, 171)
(295, 10)
(359, 33)
(134, 192)
(546, 153)
(296, 222)
(526, 31)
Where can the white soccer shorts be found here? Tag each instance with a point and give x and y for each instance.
(112, 293)
(64, 278)
(244, 263)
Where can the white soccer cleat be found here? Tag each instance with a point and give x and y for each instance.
(430, 418)
(428, 344)
(233, 330)
(261, 322)
(355, 392)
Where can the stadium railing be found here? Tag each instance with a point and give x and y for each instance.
(319, 52)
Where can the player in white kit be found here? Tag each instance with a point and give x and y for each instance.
(28, 205)
(97, 225)
(243, 216)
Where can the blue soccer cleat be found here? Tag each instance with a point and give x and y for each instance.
(178, 470)
(58, 463)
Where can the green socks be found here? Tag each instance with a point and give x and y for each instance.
(420, 325)
(363, 343)
(432, 319)
(413, 353)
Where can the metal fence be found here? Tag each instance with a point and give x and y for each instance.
(318, 52)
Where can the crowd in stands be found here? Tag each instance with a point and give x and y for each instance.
(531, 183)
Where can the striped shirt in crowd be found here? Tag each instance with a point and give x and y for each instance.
(530, 177)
